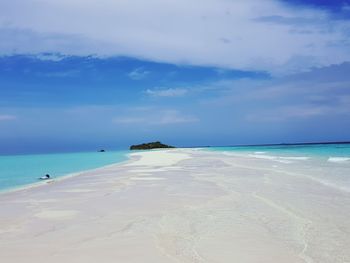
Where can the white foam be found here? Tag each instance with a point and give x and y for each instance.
(301, 158)
(338, 159)
(283, 161)
(280, 159)
(261, 156)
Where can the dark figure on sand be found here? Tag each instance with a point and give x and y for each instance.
(47, 176)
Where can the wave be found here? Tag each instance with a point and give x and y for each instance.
(338, 159)
(263, 156)
(299, 158)
(281, 159)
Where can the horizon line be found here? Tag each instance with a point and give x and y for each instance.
(270, 144)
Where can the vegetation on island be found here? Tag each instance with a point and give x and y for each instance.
(149, 146)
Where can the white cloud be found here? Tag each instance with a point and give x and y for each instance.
(316, 95)
(60, 74)
(172, 92)
(243, 34)
(6, 117)
(50, 57)
(138, 74)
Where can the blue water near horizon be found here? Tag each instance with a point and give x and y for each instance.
(20, 170)
(337, 150)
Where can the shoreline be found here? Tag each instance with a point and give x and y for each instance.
(74, 174)
(285, 157)
(58, 179)
(180, 205)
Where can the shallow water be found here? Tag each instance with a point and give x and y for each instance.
(330, 152)
(20, 170)
(328, 164)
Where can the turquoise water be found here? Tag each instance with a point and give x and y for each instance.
(326, 164)
(313, 150)
(21, 170)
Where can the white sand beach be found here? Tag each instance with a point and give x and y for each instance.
(181, 205)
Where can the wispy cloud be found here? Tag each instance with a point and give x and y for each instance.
(346, 7)
(155, 117)
(314, 96)
(6, 117)
(171, 92)
(60, 74)
(291, 21)
(128, 120)
(51, 56)
(289, 113)
(138, 74)
(175, 117)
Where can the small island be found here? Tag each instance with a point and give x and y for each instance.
(149, 146)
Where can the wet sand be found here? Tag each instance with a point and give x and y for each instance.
(180, 205)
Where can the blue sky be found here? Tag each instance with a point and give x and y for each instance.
(114, 73)
(333, 5)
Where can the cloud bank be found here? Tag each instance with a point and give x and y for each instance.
(243, 34)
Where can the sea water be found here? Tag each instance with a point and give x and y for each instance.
(20, 170)
(327, 164)
(329, 152)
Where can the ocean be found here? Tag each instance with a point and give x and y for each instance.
(328, 164)
(328, 152)
(20, 170)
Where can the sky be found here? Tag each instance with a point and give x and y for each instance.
(80, 75)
